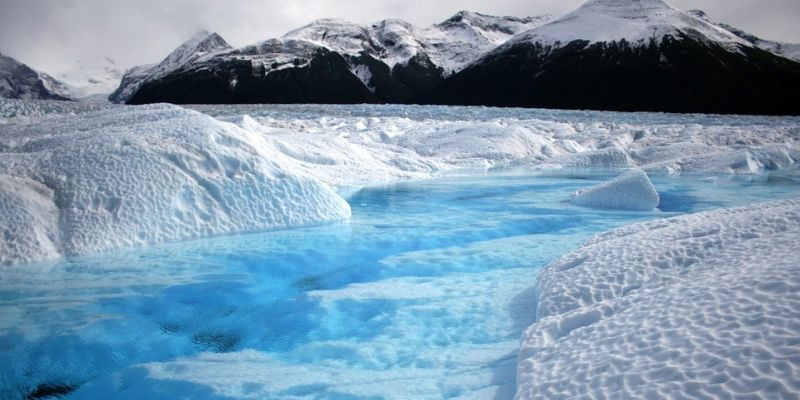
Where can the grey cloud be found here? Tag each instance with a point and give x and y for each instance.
(49, 33)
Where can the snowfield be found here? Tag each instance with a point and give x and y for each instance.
(109, 176)
(699, 306)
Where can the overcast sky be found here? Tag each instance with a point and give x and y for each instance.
(49, 33)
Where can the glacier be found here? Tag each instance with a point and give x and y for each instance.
(126, 177)
(120, 176)
(325, 317)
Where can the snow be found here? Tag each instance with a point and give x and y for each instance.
(125, 177)
(704, 305)
(462, 39)
(87, 76)
(451, 44)
(364, 75)
(635, 21)
(29, 219)
(632, 191)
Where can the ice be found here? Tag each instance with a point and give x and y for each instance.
(686, 307)
(124, 177)
(422, 294)
(629, 191)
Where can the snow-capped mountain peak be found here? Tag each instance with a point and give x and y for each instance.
(335, 34)
(464, 37)
(634, 21)
(630, 9)
(788, 50)
(203, 45)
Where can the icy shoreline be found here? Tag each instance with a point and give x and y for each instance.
(702, 305)
(118, 176)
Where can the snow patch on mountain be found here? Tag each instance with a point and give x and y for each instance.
(462, 39)
(363, 73)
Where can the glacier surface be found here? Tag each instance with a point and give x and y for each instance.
(112, 176)
(698, 306)
(703, 304)
(123, 177)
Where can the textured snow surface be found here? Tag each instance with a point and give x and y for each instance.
(121, 176)
(635, 21)
(699, 306)
(357, 145)
(130, 176)
(629, 191)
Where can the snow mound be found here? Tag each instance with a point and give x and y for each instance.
(689, 307)
(632, 190)
(130, 176)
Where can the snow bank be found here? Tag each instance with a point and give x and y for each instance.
(629, 191)
(130, 176)
(689, 307)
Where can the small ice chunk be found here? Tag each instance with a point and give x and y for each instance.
(632, 190)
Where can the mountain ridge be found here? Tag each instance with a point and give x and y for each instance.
(623, 55)
(19, 81)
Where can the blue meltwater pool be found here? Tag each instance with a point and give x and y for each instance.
(422, 294)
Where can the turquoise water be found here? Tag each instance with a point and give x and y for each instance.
(422, 294)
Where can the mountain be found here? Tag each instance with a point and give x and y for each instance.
(326, 61)
(18, 81)
(622, 55)
(202, 46)
(629, 55)
(788, 50)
